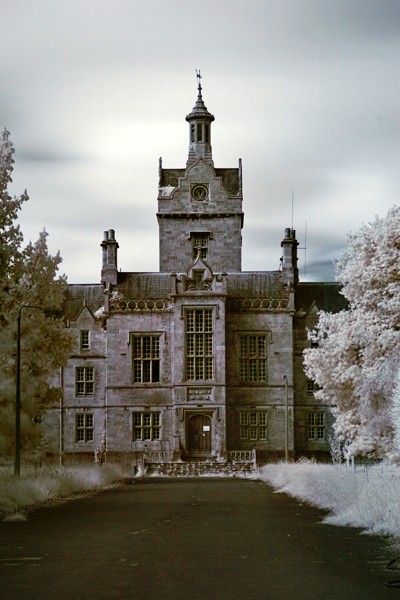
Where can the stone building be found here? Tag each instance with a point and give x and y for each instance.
(200, 359)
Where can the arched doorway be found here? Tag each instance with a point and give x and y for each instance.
(199, 435)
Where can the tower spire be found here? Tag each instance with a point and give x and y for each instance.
(199, 120)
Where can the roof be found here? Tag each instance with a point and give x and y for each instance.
(326, 296)
(144, 285)
(79, 295)
(259, 284)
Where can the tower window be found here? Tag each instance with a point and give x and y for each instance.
(199, 132)
(207, 134)
(200, 242)
(192, 133)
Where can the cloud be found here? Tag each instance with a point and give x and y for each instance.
(306, 92)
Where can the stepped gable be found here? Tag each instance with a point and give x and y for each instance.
(326, 296)
(79, 295)
(262, 284)
(144, 285)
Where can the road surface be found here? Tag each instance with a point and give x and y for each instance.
(183, 539)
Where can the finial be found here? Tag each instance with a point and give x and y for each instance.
(199, 77)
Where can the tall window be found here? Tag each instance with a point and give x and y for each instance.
(200, 242)
(146, 358)
(199, 343)
(84, 381)
(84, 427)
(253, 426)
(84, 339)
(146, 426)
(316, 426)
(253, 358)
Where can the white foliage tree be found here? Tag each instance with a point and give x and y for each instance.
(355, 361)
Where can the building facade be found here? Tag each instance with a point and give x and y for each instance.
(199, 359)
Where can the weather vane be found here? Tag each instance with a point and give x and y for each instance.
(199, 77)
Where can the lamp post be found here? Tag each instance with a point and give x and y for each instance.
(17, 464)
(286, 421)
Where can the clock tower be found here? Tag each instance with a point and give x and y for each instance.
(200, 207)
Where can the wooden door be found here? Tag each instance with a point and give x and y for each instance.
(199, 428)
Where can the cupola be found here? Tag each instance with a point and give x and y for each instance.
(199, 129)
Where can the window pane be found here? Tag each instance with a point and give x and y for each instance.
(84, 339)
(146, 426)
(262, 433)
(253, 433)
(84, 427)
(146, 354)
(252, 361)
(253, 426)
(244, 418)
(199, 344)
(262, 418)
(244, 433)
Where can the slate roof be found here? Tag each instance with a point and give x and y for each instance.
(77, 295)
(260, 284)
(144, 285)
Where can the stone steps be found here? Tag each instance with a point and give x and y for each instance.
(198, 468)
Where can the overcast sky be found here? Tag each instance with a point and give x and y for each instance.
(306, 92)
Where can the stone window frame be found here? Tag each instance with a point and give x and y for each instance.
(84, 427)
(199, 241)
(146, 366)
(146, 426)
(84, 339)
(252, 367)
(199, 342)
(253, 425)
(316, 426)
(84, 381)
(312, 387)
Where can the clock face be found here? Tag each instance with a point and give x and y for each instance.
(199, 192)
